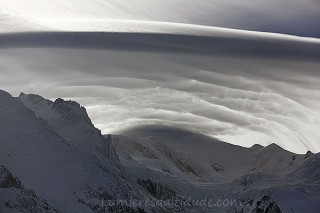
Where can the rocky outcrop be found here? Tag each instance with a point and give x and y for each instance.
(15, 197)
(264, 204)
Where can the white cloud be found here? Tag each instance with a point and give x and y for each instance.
(284, 16)
(241, 87)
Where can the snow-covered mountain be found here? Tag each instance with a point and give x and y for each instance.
(71, 121)
(182, 88)
(49, 164)
(58, 163)
(267, 178)
(13, 195)
(53, 159)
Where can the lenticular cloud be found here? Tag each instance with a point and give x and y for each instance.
(242, 87)
(241, 99)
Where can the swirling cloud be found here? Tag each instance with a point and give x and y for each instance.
(237, 97)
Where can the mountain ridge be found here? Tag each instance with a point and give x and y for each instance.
(150, 162)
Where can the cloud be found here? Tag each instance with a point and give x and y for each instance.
(238, 93)
(283, 16)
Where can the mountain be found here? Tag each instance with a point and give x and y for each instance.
(53, 159)
(71, 121)
(43, 171)
(49, 164)
(267, 178)
(15, 196)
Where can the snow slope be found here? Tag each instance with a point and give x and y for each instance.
(67, 176)
(15, 196)
(200, 166)
(71, 121)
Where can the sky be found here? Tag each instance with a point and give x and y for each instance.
(241, 87)
(296, 17)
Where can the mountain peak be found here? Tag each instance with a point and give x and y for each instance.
(74, 110)
(256, 146)
(60, 101)
(4, 94)
(33, 98)
(22, 94)
(69, 119)
(60, 113)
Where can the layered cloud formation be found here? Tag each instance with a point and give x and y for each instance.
(133, 64)
(295, 17)
(249, 89)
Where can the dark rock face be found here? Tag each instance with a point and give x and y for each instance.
(7, 180)
(72, 111)
(19, 198)
(217, 167)
(308, 154)
(157, 190)
(264, 204)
